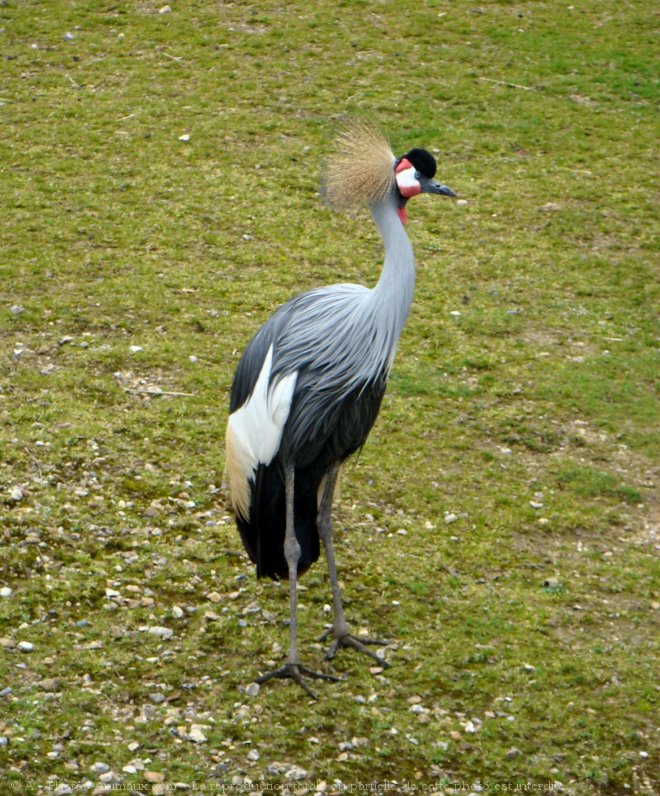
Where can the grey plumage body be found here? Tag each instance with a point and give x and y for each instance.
(338, 339)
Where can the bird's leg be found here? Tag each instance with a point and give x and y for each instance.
(293, 668)
(339, 630)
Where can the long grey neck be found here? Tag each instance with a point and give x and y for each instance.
(393, 294)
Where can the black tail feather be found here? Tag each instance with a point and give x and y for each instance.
(263, 534)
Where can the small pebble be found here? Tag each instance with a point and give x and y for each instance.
(253, 755)
(165, 10)
(25, 646)
(99, 768)
(177, 612)
(296, 774)
(62, 790)
(185, 138)
(5, 591)
(50, 684)
(161, 632)
(253, 689)
(17, 309)
(196, 734)
(461, 202)
(5, 691)
(154, 776)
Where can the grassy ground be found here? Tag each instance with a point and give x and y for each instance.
(500, 525)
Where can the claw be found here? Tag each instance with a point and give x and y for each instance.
(296, 671)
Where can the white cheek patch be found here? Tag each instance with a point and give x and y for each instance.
(408, 183)
(254, 431)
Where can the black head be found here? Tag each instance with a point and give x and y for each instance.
(422, 160)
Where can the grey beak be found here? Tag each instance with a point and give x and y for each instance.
(435, 187)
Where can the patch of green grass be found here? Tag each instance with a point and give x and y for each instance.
(498, 526)
(587, 482)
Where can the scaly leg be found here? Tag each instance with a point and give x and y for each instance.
(293, 668)
(339, 629)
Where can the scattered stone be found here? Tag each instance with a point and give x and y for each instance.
(165, 10)
(185, 138)
(7, 643)
(161, 632)
(133, 746)
(5, 691)
(196, 734)
(50, 685)
(99, 768)
(253, 689)
(16, 494)
(62, 790)
(253, 755)
(17, 309)
(108, 777)
(154, 776)
(528, 667)
(214, 597)
(296, 774)
(157, 698)
(5, 591)
(513, 752)
(535, 504)
(25, 646)
(129, 769)
(177, 612)
(68, 36)
(461, 202)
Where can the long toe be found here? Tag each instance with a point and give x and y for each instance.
(359, 644)
(296, 672)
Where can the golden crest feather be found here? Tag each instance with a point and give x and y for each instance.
(360, 171)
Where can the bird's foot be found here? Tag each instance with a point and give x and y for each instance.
(358, 643)
(297, 671)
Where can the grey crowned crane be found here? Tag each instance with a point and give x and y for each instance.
(309, 385)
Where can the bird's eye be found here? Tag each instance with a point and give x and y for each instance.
(417, 175)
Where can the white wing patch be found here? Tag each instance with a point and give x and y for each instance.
(254, 432)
